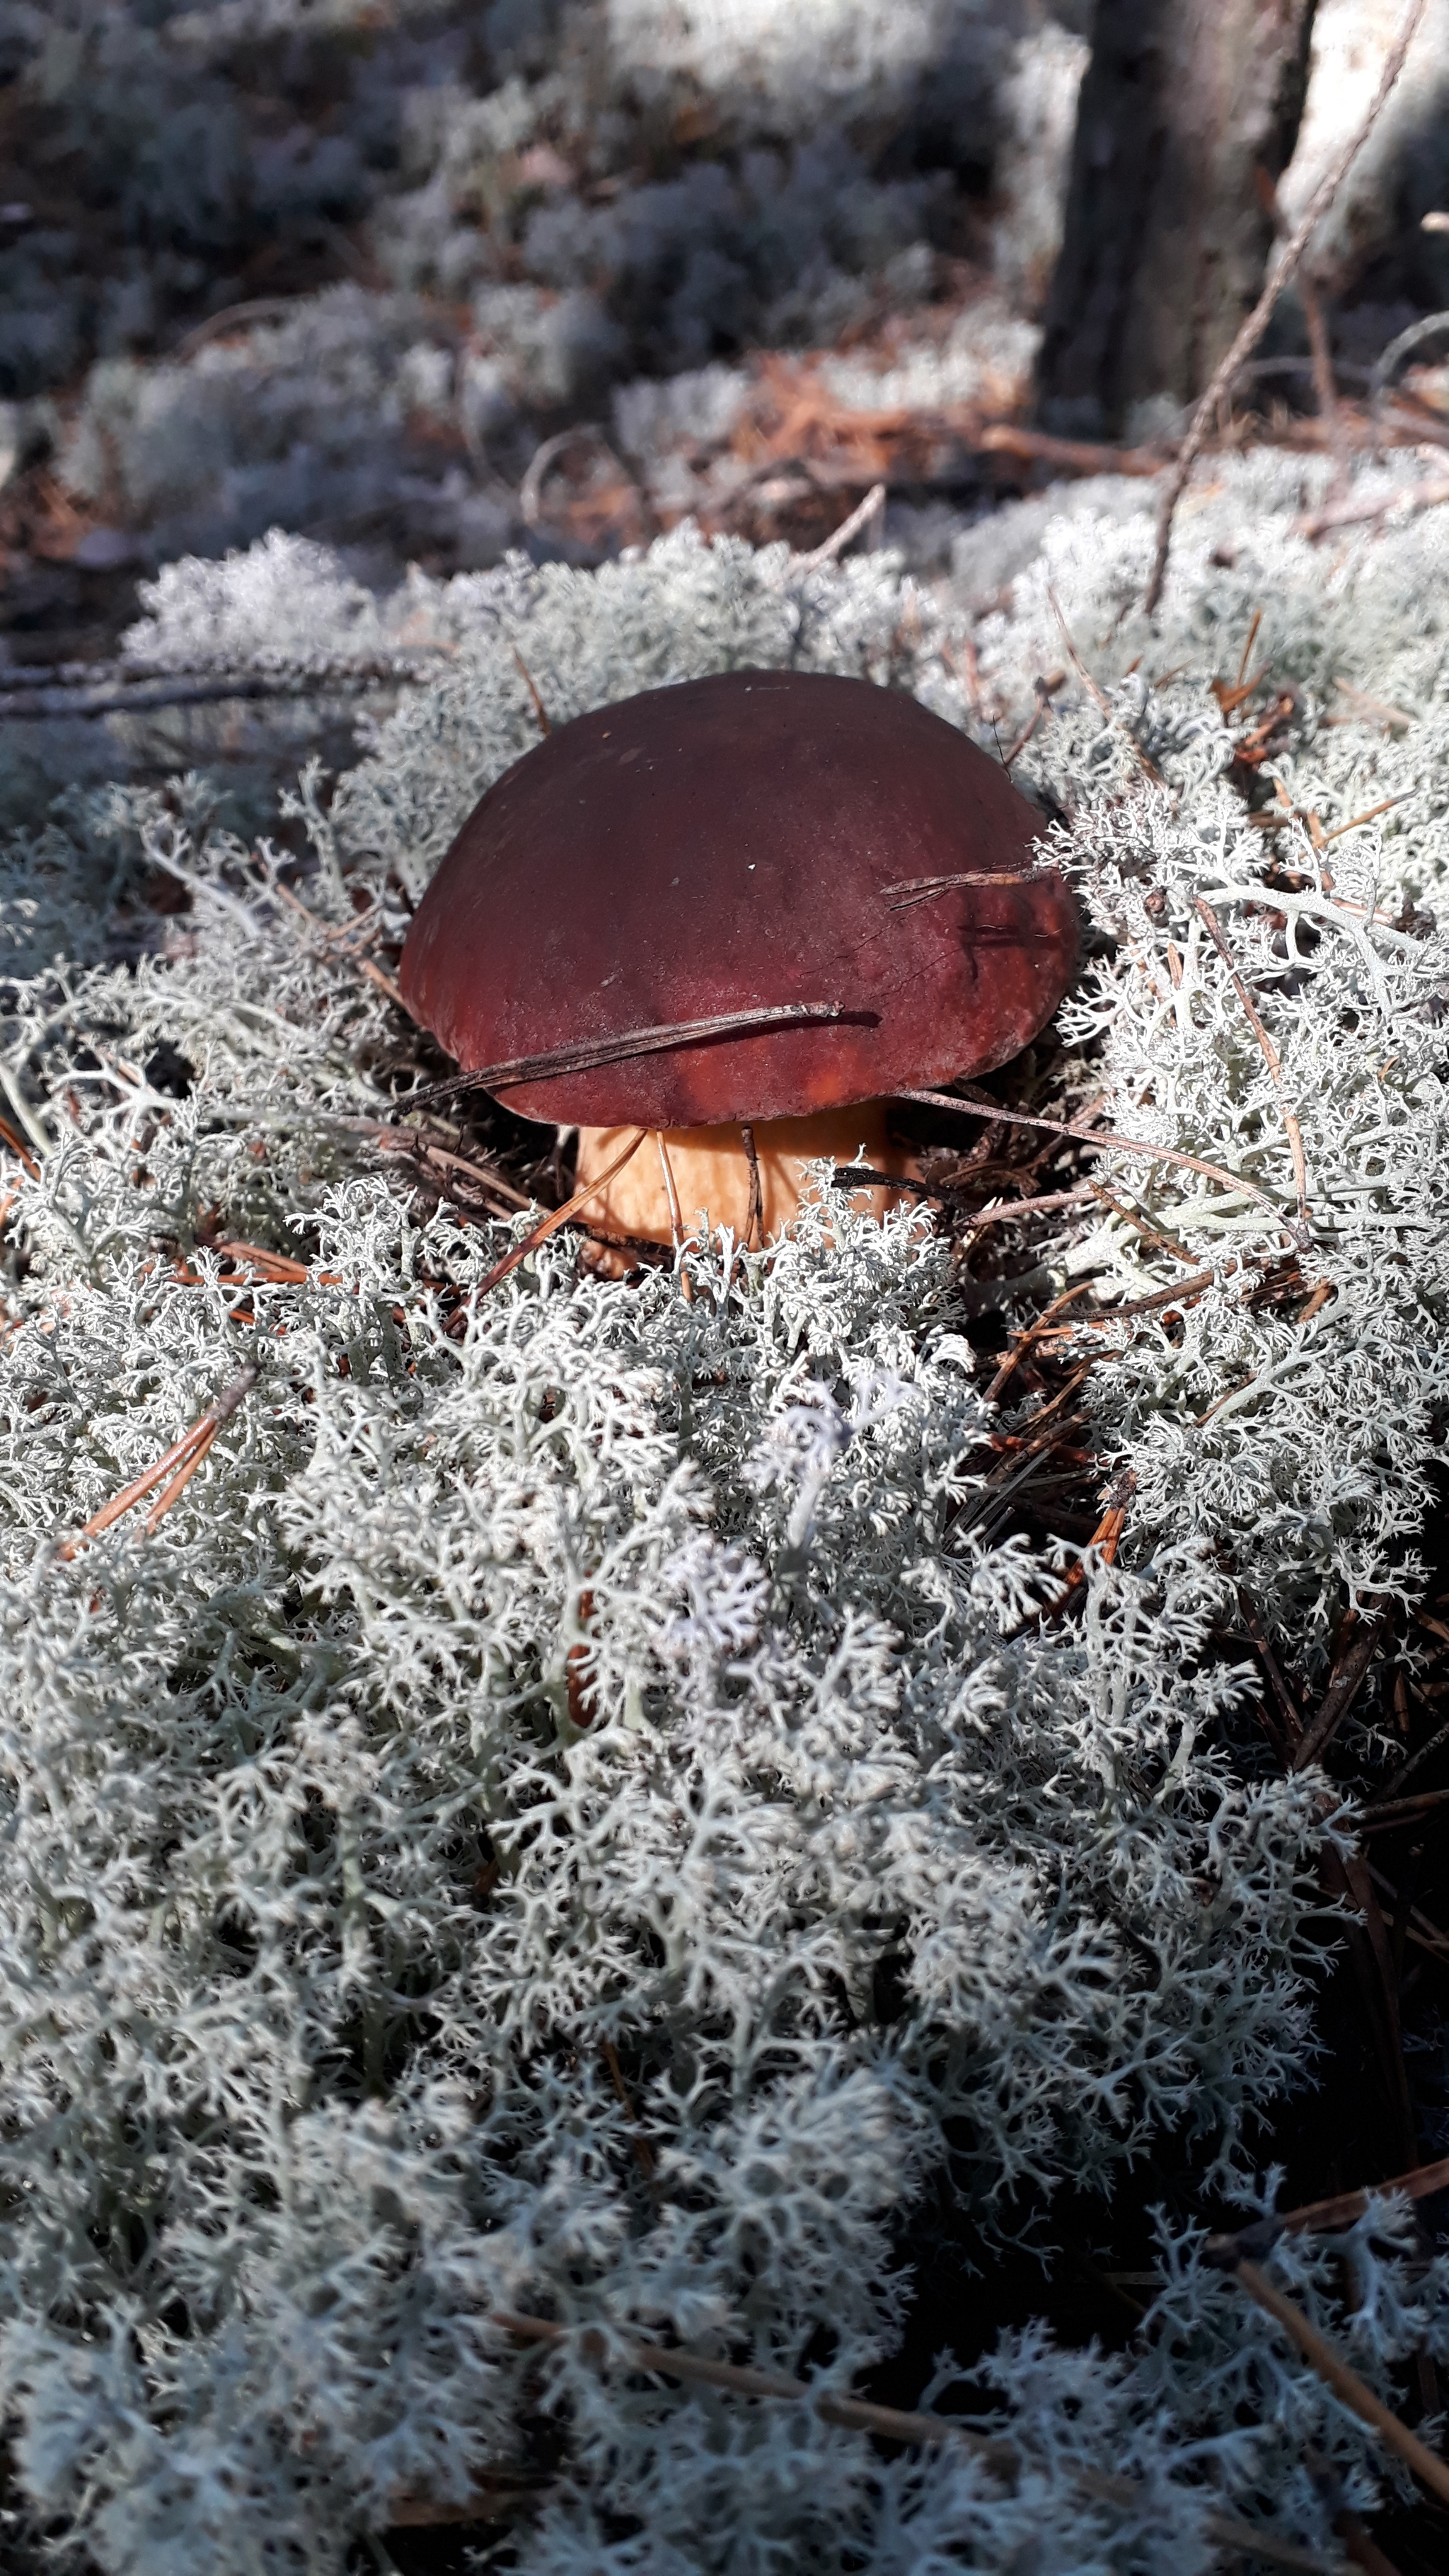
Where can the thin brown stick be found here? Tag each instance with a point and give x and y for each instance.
(1248, 647)
(1271, 1057)
(9, 1137)
(1347, 1680)
(676, 1221)
(1139, 1223)
(1351, 2391)
(383, 982)
(1103, 1140)
(1106, 1538)
(1324, 2217)
(1401, 1811)
(529, 682)
(1292, 1714)
(1000, 1215)
(639, 2146)
(1392, 1787)
(920, 889)
(559, 1216)
(854, 2413)
(1095, 690)
(282, 1271)
(872, 507)
(1042, 707)
(1032, 1334)
(180, 1480)
(889, 2423)
(755, 1221)
(1257, 321)
(1323, 382)
(1356, 512)
(584, 1054)
(1370, 814)
(199, 1438)
(489, 1181)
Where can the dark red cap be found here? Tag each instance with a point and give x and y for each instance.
(732, 844)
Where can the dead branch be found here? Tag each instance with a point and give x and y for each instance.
(1257, 322)
(1103, 1140)
(587, 1053)
(1334, 2371)
(1355, 512)
(559, 1216)
(864, 515)
(1348, 1678)
(852, 2414)
(185, 1455)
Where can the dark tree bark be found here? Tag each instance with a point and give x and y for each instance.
(1188, 109)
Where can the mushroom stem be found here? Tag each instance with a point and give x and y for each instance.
(716, 1175)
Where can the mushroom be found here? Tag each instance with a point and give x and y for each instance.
(742, 912)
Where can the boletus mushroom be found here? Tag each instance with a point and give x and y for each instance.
(742, 912)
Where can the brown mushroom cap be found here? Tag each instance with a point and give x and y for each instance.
(730, 844)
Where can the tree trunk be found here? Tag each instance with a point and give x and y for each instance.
(1189, 108)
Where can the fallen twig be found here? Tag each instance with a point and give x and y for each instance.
(1104, 1140)
(1099, 695)
(1325, 2217)
(1351, 2391)
(1348, 1677)
(1257, 321)
(857, 2415)
(585, 1054)
(1401, 1811)
(1032, 1333)
(185, 1456)
(862, 516)
(559, 1216)
(1392, 1787)
(1356, 511)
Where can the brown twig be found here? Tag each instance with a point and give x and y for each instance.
(1325, 2217)
(1263, 1645)
(676, 1221)
(1323, 384)
(1348, 1676)
(1102, 1140)
(854, 2414)
(1106, 1539)
(185, 1454)
(755, 1220)
(1382, 1818)
(278, 1267)
(488, 1181)
(9, 1137)
(1032, 1333)
(1140, 1224)
(560, 1216)
(1257, 321)
(1351, 2391)
(1095, 690)
(871, 508)
(920, 889)
(383, 982)
(1271, 1057)
(582, 1055)
(1415, 1762)
(530, 683)
(1356, 512)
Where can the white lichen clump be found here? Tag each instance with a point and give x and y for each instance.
(569, 1812)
